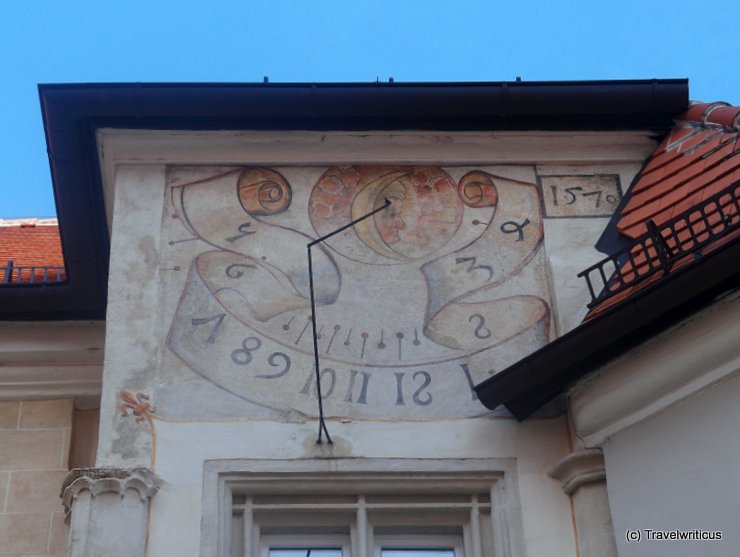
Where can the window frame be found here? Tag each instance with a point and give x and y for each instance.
(307, 541)
(318, 477)
(411, 541)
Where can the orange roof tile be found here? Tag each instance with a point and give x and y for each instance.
(700, 152)
(30, 243)
(700, 157)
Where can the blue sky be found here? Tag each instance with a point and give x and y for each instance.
(411, 40)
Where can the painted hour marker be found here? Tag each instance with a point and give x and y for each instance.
(364, 342)
(318, 335)
(417, 342)
(287, 325)
(381, 344)
(308, 322)
(349, 334)
(399, 336)
(362, 398)
(173, 242)
(331, 340)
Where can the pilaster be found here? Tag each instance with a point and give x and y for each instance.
(583, 477)
(107, 510)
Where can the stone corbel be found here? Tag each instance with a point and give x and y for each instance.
(107, 510)
(579, 468)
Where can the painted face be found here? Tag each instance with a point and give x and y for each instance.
(425, 211)
(390, 222)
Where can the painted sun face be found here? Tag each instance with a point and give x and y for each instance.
(425, 211)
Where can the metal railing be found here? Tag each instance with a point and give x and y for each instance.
(11, 275)
(662, 246)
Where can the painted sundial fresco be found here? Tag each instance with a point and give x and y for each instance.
(414, 305)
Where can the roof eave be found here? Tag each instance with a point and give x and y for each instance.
(625, 104)
(73, 112)
(533, 381)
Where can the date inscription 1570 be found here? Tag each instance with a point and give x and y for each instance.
(580, 196)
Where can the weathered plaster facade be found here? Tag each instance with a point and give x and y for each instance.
(203, 366)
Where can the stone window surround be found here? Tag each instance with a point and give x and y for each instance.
(342, 542)
(498, 476)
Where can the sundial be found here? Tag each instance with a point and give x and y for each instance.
(439, 284)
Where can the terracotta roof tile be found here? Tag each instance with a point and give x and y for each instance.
(719, 113)
(699, 158)
(673, 155)
(688, 163)
(30, 243)
(684, 164)
(688, 202)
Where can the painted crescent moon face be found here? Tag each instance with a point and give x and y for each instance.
(425, 212)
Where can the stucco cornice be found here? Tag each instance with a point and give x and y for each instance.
(45, 360)
(118, 147)
(695, 354)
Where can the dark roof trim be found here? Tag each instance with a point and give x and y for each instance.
(73, 112)
(567, 105)
(530, 383)
(611, 240)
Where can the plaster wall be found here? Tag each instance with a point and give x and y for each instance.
(570, 239)
(169, 413)
(678, 471)
(182, 450)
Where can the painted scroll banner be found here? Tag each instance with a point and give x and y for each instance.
(208, 337)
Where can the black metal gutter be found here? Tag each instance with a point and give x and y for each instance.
(530, 383)
(73, 112)
(633, 104)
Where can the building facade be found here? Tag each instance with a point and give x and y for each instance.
(287, 307)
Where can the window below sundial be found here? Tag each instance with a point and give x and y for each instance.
(339, 546)
(394, 508)
(381, 523)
